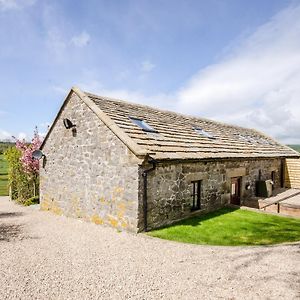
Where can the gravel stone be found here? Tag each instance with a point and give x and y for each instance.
(44, 256)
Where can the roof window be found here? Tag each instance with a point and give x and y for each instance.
(142, 124)
(204, 133)
(246, 138)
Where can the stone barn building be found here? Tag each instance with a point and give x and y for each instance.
(136, 168)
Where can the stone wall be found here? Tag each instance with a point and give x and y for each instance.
(170, 188)
(91, 174)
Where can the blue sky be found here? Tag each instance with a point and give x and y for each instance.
(233, 61)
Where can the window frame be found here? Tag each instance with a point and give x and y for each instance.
(142, 124)
(203, 133)
(196, 195)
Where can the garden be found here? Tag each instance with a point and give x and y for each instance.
(3, 176)
(233, 227)
(19, 171)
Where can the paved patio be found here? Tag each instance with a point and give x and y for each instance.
(44, 256)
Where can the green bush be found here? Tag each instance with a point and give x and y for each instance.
(32, 201)
(4, 146)
(22, 185)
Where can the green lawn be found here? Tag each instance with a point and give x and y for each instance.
(229, 226)
(3, 176)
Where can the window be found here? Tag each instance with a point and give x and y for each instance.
(273, 177)
(196, 195)
(246, 138)
(142, 124)
(203, 132)
(273, 174)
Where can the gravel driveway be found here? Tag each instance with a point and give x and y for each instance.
(43, 256)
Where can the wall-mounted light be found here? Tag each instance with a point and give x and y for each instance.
(248, 186)
(68, 124)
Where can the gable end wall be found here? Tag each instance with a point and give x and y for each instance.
(92, 175)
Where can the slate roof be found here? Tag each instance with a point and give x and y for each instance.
(175, 136)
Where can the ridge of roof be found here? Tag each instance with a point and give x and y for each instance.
(56, 118)
(130, 143)
(176, 137)
(167, 111)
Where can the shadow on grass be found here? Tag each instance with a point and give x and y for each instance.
(196, 221)
(232, 226)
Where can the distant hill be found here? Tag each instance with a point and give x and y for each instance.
(5, 145)
(295, 147)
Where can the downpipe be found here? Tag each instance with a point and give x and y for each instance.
(145, 196)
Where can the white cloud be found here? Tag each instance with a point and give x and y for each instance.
(159, 100)
(5, 135)
(22, 136)
(258, 85)
(8, 136)
(147, 66)
(81, 40)
(6, 5)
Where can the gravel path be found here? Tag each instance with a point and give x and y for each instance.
(43, 256)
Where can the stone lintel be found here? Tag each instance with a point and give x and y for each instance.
(196, 176)
(237, 172)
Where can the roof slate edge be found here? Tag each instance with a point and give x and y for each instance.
(135, 148)
(223, 158)
(56, 118)
(228, 125)
(297, 154)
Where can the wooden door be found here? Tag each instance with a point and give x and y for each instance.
(236, 191)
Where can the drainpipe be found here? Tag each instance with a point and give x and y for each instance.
(145, 202)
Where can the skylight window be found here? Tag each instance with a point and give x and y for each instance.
(246, 138)
(204, 133)
(142, 124)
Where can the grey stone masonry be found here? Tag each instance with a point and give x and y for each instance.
(170, 188)
(89, 174)
(94, 171)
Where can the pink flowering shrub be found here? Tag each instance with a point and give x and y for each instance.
(30, 165)
(23, 169)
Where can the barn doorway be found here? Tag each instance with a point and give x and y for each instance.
(235, 190)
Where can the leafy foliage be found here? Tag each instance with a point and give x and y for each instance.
(3, 176)
(32, 200)
(23, 174)
(4, 146)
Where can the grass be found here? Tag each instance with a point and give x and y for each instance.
(232, 227)
(3, 176)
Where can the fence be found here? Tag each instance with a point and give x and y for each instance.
(292, 173)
